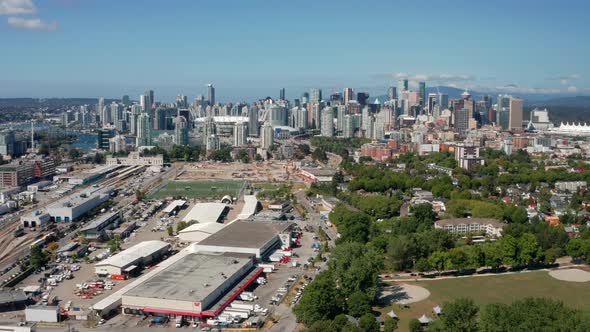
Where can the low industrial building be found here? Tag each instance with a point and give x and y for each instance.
(35, 219)
(491, 227)
(73, 249)
(18, 327)
(281, 206)
(315, 175)
(247, 237)
(269, 215)
(13, 300)
(133, 259)
(96, 230)
(91, 175)
(74, 206)
(206, 213)
(42, 313)
(202, 279)
(134, 159)
(6, 194)
(198, 285)
(250, 208)
(175, 206)
(39, 186)
(198, 232)
(124, 230)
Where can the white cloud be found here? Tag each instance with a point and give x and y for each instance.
(435, 77)
(565, 79)
(17, 7)
(571, 77)
(513, 88)
(572, 89)
(31, 24)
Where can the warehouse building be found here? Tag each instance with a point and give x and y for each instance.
(206, 213)
(317, 175)
(197, 285)
(198, 232)
(247, 237)
(42, 313)
(97, 229)
(73, 249)
(175, 206)
(35, 219)
(72, 207)
(124, 230)
(39, 186)
(250, 208)
(197, 269)
(130, 261)
(134, 159)
(12, 300)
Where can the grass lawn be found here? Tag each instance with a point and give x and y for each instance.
(271, 191)
(199, 189)
(266, 185)
(484, 290)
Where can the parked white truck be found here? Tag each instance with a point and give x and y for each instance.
(242, 305)
(248, 296)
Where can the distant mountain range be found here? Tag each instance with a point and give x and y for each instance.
(577, 101)
(48, 102)
(561, 108)
(530, 99)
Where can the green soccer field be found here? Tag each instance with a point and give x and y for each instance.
(199, 189)
(493, 289)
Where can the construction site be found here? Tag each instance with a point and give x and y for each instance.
(276, 171)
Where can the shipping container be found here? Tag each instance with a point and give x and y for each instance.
(118, 277)
(242, 305)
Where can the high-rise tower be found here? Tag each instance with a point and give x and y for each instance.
(211, 94)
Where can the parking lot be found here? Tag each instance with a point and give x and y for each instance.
(286, 277)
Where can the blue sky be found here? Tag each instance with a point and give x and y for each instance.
(251, 48)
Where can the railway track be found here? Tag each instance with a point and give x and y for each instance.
(7, 228)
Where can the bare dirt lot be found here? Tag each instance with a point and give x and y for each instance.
(575, 275)
(404, 294)
(255, 172)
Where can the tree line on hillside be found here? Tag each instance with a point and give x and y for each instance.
(411, 243)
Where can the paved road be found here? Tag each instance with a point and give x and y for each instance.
(313, 217)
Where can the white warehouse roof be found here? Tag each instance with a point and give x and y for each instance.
(250, 207)
(131, 255)
(205, 212)
(199, 232)
(173, 205)
(79, 198)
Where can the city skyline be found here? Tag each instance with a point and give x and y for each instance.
(250, 51)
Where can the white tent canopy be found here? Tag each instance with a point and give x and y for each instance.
(437, 310)
(424, 319)
(392, 314)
